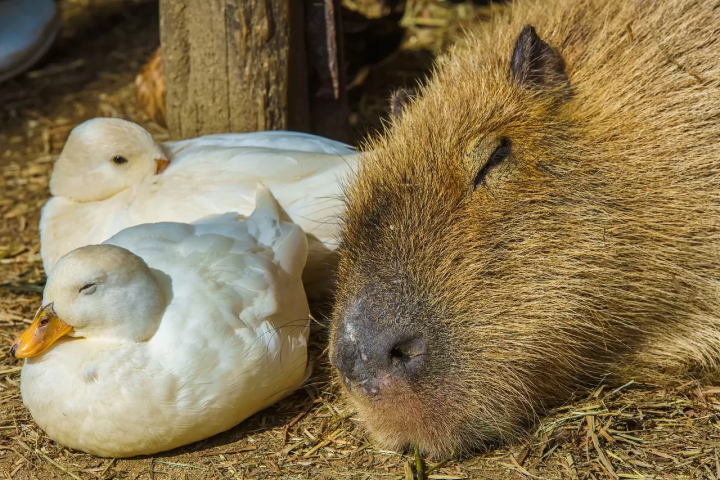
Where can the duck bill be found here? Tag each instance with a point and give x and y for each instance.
(45, 329)
(162, 164)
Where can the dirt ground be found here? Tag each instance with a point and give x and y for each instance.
(638, 431)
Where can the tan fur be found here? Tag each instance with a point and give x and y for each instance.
(593, 250)
(150, 89)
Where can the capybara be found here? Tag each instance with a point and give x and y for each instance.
(544, 214)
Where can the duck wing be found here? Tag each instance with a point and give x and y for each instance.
(304, 173)
(255, 256)
(276, 139)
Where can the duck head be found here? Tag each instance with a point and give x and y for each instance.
(95, 292)
(104, 156)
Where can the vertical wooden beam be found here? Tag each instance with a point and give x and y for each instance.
(329, 111)
(234, 66)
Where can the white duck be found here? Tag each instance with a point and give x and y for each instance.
(112, 175)
(168, 333)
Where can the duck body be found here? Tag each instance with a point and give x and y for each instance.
(231, 339)
(212, 175)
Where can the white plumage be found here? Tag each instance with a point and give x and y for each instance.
(95, 197)
(214, 330)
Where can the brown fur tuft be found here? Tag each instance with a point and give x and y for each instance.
(592, 250)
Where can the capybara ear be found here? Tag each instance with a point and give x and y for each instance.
(535, 64)
(399, 100)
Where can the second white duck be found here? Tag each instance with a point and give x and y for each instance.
(112, 175)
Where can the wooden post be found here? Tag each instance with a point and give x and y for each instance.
(329, 114)
(234, 66)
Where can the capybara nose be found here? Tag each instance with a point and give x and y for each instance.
(373, 358)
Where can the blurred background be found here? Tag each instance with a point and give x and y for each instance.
(102, 47)
(91, 68)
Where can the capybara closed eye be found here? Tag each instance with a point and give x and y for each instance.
(546, 212)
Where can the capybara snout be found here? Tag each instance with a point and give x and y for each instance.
(543, 215)
(378, 350)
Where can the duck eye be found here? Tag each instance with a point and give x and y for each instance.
(89, 288)
(496, 158)
(119, 160)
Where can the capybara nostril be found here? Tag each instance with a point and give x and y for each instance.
(408, 354)
(370, 360)
(377, 361)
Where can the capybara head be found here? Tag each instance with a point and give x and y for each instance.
(519, 230)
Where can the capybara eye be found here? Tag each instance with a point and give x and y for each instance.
(498, 155)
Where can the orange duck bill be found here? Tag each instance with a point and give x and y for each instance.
(45, 329)
(161, 165)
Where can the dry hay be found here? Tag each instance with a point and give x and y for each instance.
(639, 431)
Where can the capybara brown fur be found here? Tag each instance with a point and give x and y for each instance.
(544, 214)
